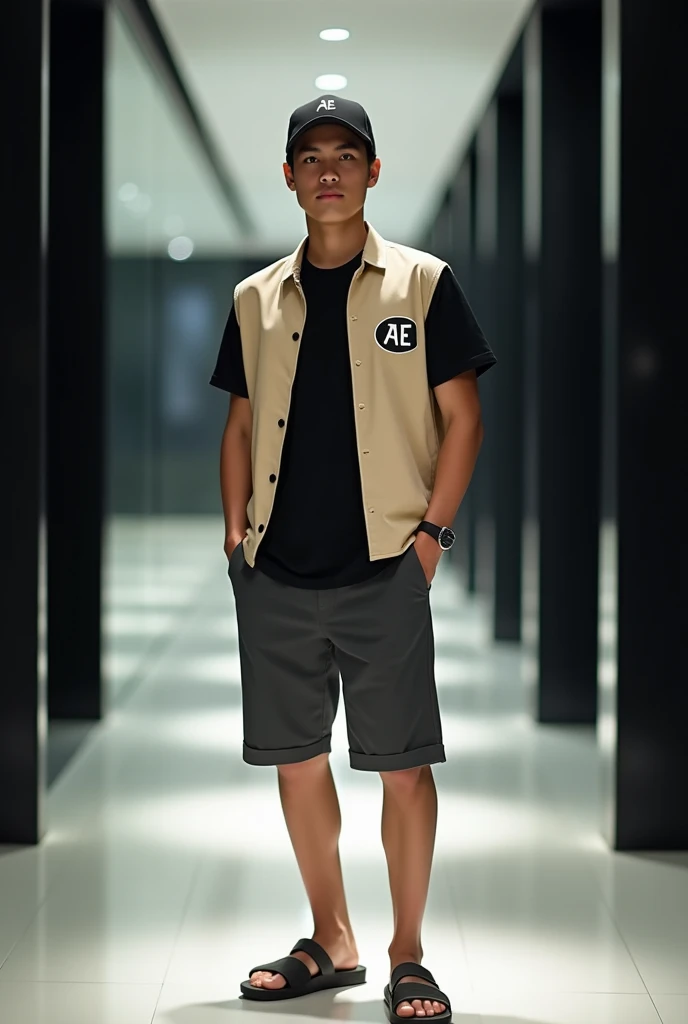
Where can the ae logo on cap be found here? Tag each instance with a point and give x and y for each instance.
(397, 334)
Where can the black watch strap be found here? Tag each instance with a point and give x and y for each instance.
(444, 535)
(426, 527)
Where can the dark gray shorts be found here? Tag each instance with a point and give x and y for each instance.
(295, 643)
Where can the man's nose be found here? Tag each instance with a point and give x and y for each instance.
(329, 176)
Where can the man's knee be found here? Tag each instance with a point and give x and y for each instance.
(303, 770)
(406, 780)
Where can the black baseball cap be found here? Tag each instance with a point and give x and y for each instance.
(330, 110)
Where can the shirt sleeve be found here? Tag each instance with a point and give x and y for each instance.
(229, 372)
(454, 342)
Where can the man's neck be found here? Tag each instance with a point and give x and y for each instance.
(333, 245)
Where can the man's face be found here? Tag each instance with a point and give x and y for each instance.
(331, 173)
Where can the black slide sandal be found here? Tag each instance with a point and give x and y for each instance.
(299, 980)
(410, 990)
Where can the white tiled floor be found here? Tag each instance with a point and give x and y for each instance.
(167, 869)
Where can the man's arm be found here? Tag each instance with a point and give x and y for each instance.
(236, 481)
(459, 404)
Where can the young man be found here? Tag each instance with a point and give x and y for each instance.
(353, 431)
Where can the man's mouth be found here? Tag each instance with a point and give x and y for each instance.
(330, 195)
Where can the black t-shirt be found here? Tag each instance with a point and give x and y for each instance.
(316, 537)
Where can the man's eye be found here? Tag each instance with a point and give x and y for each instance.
(308, 158)
(347, 156)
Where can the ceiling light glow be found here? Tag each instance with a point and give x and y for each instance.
(140, 204)
(334, 35)
(330, 83)
(128, 192)
(180, 248)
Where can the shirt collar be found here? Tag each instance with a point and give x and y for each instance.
(374, 253)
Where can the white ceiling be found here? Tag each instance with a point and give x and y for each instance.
(422, 68)
(151, 155)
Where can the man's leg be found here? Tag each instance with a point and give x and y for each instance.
(311, 811)
(290, 693)
(409, 821)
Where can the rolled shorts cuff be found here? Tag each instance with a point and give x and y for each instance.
(290, 755)
(396, 762)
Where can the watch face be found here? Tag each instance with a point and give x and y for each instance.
(446, 538)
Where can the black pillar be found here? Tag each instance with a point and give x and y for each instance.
(484, 283)
(508, 342)
(643, 691)
(562, 231)
(23, 170)
(76, 356)
(462, 554)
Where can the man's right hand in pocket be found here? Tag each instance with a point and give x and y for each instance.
(231, 544)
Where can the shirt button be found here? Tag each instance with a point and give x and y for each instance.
(272, 478)
(280, 423)
(295, 336)
(361, 405)
(354, 318)
(366, 451)
(358, 362)
(371, 509)
(261, 528)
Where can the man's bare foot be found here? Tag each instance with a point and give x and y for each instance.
(341, 951)
(418, 1007)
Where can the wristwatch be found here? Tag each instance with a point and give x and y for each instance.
(444, 535)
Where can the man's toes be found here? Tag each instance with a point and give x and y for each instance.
(274, 981)
(405, 1010)
(427, 1006)
(418, 1007)
(265, 979)
(438, 1007)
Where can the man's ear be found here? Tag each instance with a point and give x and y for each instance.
(289, 177)
(374, 173)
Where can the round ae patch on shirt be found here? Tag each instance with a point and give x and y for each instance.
(397, 334)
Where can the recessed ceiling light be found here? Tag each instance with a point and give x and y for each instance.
(180, 248)
(330, 82)
(334, 35)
